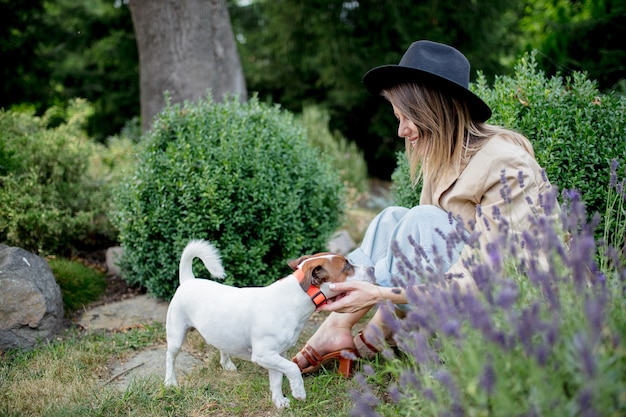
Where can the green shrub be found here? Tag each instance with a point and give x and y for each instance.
(576, 131)
(345, 157)
(402, 191)
(241, 175)
(51, 199)
(80, 284)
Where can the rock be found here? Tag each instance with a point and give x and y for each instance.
(141, 309)
(341, 243)
(31, 305)
(150, 363)
(113, 256)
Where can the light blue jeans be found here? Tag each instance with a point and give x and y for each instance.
(427, 225)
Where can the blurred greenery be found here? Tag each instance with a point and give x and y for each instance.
(295, 51)
(62, 49)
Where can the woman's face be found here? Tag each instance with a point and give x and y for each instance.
(406, 128)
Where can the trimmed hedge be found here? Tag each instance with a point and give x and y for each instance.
(241, 175)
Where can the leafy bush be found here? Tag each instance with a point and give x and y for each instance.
(51, 199)
(80, 284)
(576, 131)
(540, 342)
(241, 175)
(346, 158)
(402, 190)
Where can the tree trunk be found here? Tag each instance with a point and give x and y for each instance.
(186, 47)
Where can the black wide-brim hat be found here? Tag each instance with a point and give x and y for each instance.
(433, 64)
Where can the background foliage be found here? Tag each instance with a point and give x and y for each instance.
(302, 51)
(584, 35)
(346, 158)
(53, 183)
(241, 175)
(59, 50)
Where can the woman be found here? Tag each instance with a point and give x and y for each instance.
(464, 165)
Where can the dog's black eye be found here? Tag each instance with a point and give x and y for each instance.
(347, 267)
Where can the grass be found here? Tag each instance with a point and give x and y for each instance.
(79, 284)
(67, 377)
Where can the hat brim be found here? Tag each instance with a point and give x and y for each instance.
(386, 76)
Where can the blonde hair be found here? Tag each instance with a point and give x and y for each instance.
(448, 137)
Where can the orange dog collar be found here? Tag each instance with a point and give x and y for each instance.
(317, 296)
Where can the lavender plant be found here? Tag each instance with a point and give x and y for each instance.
(542, 335)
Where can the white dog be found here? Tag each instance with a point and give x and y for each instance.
(257, 324)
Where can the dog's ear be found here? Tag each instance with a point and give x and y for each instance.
(319, 274)
(293, 264)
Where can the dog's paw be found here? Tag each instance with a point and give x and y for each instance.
(298, 392)
(226, 363)
(228, 366)
(170, 382)
(281, 402)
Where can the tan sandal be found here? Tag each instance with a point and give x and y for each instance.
(364, 349)
(316, 361)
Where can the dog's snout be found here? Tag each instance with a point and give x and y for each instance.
(370, 272)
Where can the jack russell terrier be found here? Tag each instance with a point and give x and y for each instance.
(257, 324)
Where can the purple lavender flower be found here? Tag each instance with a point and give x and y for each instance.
(409, 379)
(501, 339)
(482, 277)
(429, 394)
(582, 250)
(520, 178)
(505, 191)
(585, 402)
(549, 201)
(541, 354)
(496, 213)
(478, 315)
(451, 328)
(495, 257)
(394, 393)
(488, 377)
(445, 378)
(529, 201)
(613, 175)
(365, 402)
(417, 346)
(507, 296)
(525, 328)
(594, 312)
(365, 405)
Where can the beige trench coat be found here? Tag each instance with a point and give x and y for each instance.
(480, 183)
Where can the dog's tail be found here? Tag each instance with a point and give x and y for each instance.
(207, 253)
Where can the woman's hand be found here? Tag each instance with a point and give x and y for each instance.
(355, 296)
